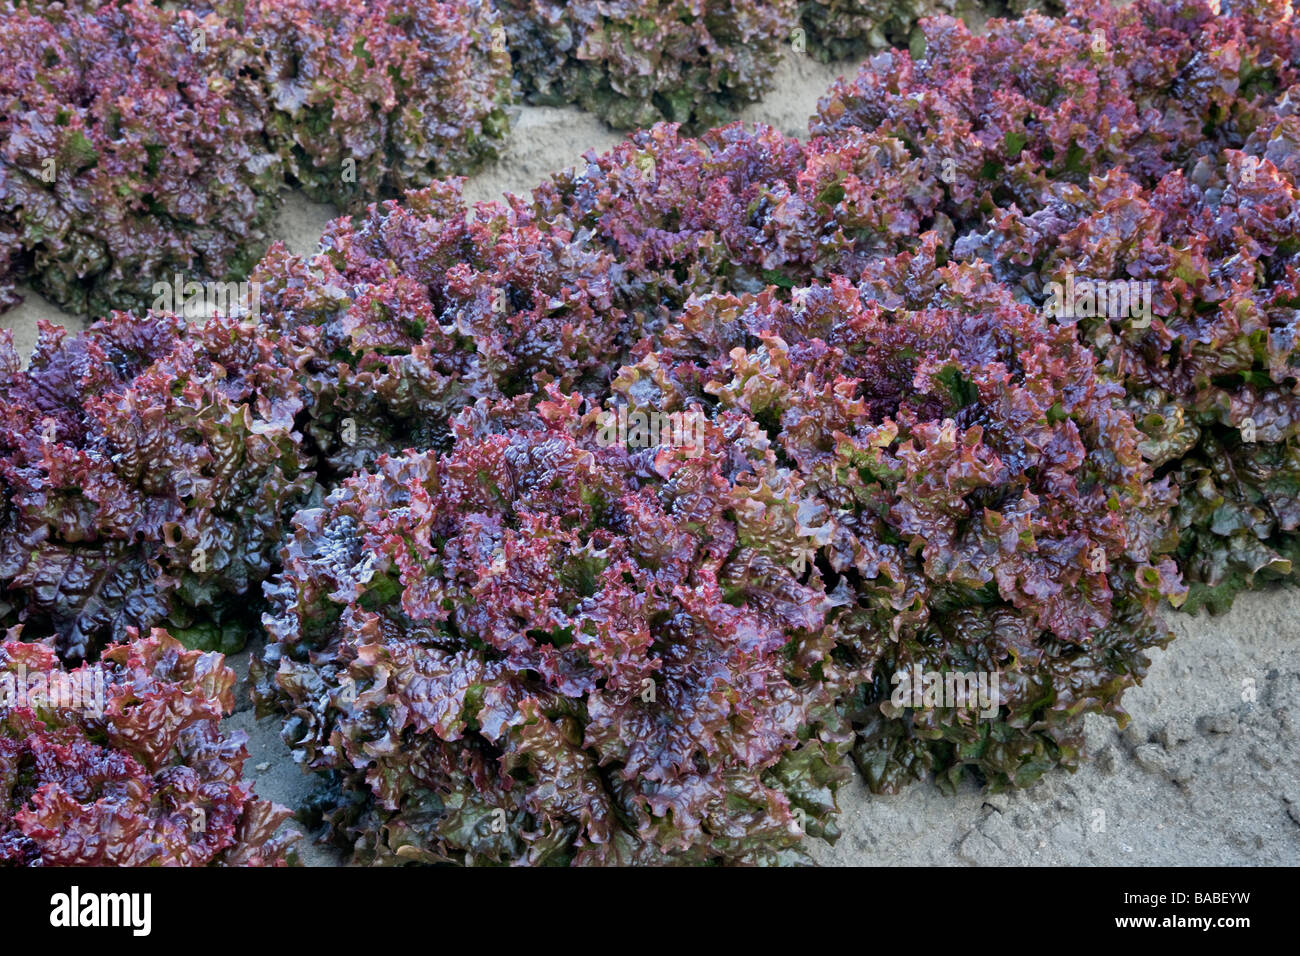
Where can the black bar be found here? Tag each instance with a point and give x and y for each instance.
(382, 907)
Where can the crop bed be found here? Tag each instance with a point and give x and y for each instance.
(983, 376)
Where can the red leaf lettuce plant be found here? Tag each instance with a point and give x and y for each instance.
(147, 468)
(369, 100)
(972, 501)
(417, 311)
(126, 153)
(536, 649)
(635, 63)
(123, 763)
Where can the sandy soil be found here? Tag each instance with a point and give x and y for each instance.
(1206, 772)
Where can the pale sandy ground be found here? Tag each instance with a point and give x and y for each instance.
(1201, 775)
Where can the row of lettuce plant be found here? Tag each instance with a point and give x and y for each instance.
(143, 139)
(695, 62)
